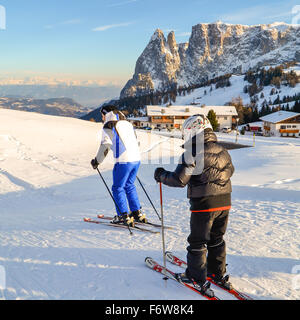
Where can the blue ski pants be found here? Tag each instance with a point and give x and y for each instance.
(123, 188)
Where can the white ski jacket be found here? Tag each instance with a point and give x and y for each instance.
(119, 136)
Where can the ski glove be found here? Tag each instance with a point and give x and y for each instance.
(95, 163)
(157, 174)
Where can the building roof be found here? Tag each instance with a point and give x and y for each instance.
(279, 116)
(145, 119)
(190, 110)
(256, 124)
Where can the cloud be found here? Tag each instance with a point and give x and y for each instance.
(280, 15)
(256, 14)
(118, 4)
(184, 34)
(168, 30)
(244, 15)
(110, 26)
(66, 22)
(72, 21)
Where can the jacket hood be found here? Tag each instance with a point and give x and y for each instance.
(210, 136)
(110, 116)
(204, 136)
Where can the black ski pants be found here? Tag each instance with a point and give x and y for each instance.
(207, 250)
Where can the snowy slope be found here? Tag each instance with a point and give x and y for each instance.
(47, 186)
(220, 96)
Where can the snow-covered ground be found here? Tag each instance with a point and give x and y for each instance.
(47, 186)
(220, 96)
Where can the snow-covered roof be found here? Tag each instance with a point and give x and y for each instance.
(138, 119)
(190, 110)
(279, 116)
(255, 124)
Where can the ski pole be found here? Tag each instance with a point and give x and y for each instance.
(163, 230)
(140, 182)
(112, 197)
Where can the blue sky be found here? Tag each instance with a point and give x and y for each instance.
(102, 39)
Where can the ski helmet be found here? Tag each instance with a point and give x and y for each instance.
(111, 112)
(196, 123)
(108, 108)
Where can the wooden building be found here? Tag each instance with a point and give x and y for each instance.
(172, 117)
(281, 124)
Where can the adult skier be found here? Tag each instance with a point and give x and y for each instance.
(206, 168)
(118, 135)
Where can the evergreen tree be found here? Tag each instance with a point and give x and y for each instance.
(296, 107)
(213, 119)
(277, 100)
(255, 114)
(262, 111)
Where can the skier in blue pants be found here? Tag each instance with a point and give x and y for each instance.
(118, 135)
(124, 175)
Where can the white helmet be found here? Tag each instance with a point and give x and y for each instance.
(194, 125)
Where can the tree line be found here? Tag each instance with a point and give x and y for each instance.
(273, 76)
(248, 113)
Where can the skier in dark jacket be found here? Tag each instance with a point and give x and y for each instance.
(206, 168)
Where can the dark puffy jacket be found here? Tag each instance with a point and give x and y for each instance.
(212, 186)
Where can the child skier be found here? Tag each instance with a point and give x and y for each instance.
(209, 191)
(118, 135)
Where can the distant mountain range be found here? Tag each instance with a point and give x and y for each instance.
(56, 106)
(87, 96)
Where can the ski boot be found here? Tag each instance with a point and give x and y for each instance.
(123, 219)
(138, 216)
(222, 281)
(204, 288)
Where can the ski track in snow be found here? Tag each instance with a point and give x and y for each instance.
(49, 252)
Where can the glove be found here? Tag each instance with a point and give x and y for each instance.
(157, 174)
(95, 163)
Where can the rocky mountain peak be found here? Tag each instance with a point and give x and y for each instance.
(157, 35)
(212, 50)
(172, 43)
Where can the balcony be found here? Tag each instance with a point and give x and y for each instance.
(162, 120)
(289, 130)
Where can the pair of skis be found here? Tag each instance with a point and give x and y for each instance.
(152, 264)
(138, 225)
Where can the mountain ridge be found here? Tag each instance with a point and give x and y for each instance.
(213, 49)
(65, 107)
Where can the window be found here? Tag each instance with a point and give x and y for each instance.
(225, 118)
(288, 126)
(282, 127)
(294, 126)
